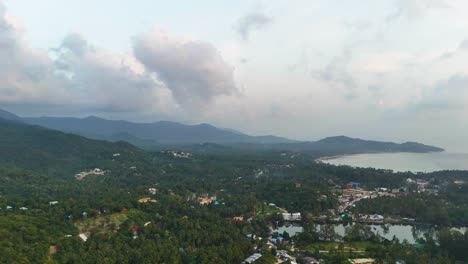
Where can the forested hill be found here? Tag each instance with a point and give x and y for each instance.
(339, 145)
(347, 145)
(54, 152)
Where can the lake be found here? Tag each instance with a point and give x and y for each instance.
(415, 162)
(409, 233)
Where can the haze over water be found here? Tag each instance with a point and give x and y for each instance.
(415, 162)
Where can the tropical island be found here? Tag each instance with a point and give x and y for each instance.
(217, 203)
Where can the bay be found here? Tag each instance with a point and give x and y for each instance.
(399, 162)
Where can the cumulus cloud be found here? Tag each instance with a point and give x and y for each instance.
(252, 21)
(194, 71)
(162, 74)
(26, 75)
(104, 81)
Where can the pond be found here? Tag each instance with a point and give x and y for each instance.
(401, 232)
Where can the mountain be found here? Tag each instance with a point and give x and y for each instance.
(343, 142)
(162, 132)
(54, 152)
(341, 145)
(158, 135)
(9, 116)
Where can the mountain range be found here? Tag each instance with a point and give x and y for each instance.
(164, 133)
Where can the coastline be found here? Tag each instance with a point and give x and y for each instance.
(322, 159)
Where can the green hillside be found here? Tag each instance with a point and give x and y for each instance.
(53, 152)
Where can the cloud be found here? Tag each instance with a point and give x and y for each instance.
(194, 71)
(337, 71)
(26, 75)
(358, 25)
(252, 21)
(104, 81)
(411, 9)
(163, 74)
(463, 45)
(77, 75)
(446, 94)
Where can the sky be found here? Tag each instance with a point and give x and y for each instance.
(394, 70)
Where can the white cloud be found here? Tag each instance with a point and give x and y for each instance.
(165, 74)
(194, 71)
(252, 21)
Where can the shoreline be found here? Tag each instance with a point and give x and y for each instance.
(322, 159)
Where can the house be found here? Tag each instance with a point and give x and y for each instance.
(134, 231)
(362, 261)
(124, 210)
(353, 184)
(153, 191)
(377, 217)
(83, 237)
(23, 208)
(292, 216)
(298, 184)
(310, 260)
(9, 207)
(116, 155)
(238, 218)
(204, 199)
(52, 250)
(252, 258)
(53, 202)
(147, 199)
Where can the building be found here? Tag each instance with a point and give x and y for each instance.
(52, 250)
(362, 261)
(153, 191)
(292, 216)
(53, 202)
(252, 258)
(83, 237)
(146, 200)
(311, 260)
